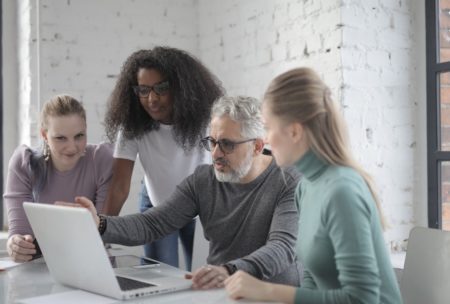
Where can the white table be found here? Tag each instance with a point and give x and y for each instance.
(33, 279)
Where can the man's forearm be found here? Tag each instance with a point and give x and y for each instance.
(268, 261)
(141, 228)
(127, 230)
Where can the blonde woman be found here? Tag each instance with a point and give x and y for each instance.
(340, 239)
(64, 167)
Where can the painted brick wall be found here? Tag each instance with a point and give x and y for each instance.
(246, 43)
(380, 96)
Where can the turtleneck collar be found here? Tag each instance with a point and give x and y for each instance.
(311, 166)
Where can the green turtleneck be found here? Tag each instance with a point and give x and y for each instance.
(340, 239)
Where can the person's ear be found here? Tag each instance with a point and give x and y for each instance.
(296, 132)
(44, 134)
(259, 146)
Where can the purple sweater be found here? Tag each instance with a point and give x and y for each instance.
(90, 177)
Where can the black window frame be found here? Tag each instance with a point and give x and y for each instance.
(434, 155)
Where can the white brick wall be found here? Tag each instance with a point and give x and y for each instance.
(84, 43)
(380, 57)
(369, 52)
(247, 43)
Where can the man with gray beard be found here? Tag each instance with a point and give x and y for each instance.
(244, 201)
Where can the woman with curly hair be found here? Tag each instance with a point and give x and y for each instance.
(159, 110)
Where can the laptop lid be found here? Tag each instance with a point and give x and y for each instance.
(426, 274)
(75, 255)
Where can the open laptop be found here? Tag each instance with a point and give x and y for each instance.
(426, 275)
(75, 256)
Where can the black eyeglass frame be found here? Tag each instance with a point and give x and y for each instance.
(160, 89)
(205, 143)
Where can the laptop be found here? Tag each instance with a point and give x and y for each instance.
(75, 256)
(426, 274)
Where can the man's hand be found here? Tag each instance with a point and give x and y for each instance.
(208, 276)
(20, 247)
(82, 202)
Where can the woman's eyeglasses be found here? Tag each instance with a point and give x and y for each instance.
(160, 89)
(226, 146)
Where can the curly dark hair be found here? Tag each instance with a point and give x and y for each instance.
(193, 87)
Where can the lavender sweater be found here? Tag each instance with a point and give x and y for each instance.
(90, 177)
(253, 225)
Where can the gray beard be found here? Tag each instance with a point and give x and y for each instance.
(235, 176)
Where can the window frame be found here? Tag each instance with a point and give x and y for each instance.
(435, 156)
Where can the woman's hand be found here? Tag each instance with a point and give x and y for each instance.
(83, 202)
(242, 285)
(20, 247)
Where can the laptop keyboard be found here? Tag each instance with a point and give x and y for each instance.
(129, 284)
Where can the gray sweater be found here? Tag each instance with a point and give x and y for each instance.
(253, 226)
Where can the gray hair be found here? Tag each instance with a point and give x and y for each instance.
(244, 110)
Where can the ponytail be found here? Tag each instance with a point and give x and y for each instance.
(299, 95)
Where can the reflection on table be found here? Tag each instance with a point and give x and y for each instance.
(33, 279)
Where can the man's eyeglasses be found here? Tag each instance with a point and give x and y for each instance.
(226, 146)
(160, 89)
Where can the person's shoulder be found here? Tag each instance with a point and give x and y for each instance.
(23, 150)
(347, 187)
(203, 171)
(203, 176)
(100, 151)
(124, 140)
(342, 178)
(21, 156)
(288, 175)
(291, 174)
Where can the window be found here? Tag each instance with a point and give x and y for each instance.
(438, 112)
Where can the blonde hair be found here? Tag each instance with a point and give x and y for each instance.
(61, 105)
(299, 95)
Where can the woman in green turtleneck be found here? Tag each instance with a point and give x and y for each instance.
(340, 240)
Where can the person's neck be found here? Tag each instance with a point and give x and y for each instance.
(260, 163)
(166, 122)
(61, 168)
